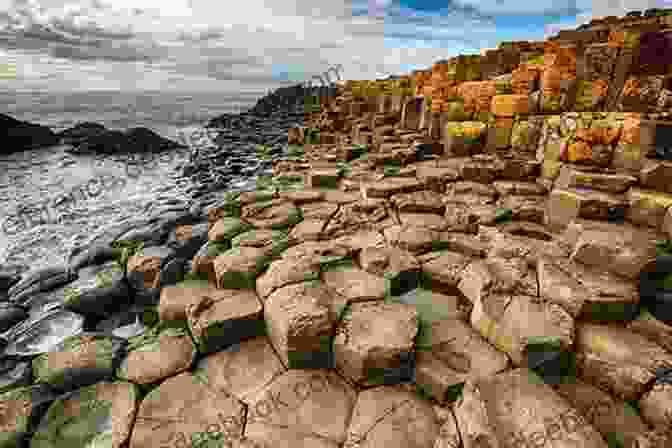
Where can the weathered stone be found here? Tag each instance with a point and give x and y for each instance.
(309, 407)
(362, 215)
(586, 293)
(620, 248)
(435, 178)
(21, 411)
(300, 324)
(390, 413)
(648, 207)
(565, 205)
(516, 407)
(456, 352)
(497, 275)
(272, 215)
(226, 228)
(442, 270)
(308, 230)
(648, 326)
(505, 188)
(239, 266)
(183, 407)
(400, 268)
(419, 202)
(618, 360)
(655, 175)
(524, 208)
(318, 210)
(412, 238)
(481, 171)
(105, 411)
(224, 318)
(510, 322)
(391, 186)
(608, 415)
(570, 178)
(79, 361)
(229, 370)
(470, 193)
(373, 357)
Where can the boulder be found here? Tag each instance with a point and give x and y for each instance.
(132, 140)
(22, 135)
(80, 132)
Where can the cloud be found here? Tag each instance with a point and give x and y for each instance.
(207, 43)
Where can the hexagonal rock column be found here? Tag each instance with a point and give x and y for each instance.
(618, 360)
(79, 361)
(242, 369)
(400, 269)
(175, 299)
(516, 408)
(224, 317)
(392, 416)
(275, 214)
(620, 248)
(184, 408)
(656, 405)
(349, 284)
(497, 275)
(600, 296)
(238, 267)
(105, 411)
(21, 410)
(450, 352)
(612, 417)
(157, 354)
(298, 264)
(374, 342)
(300, 324)
(309, 407)
(441, 270)
(511, 322)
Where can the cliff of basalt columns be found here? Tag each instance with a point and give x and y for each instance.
(474, 255)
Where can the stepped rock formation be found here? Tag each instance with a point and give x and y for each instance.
(465, 257)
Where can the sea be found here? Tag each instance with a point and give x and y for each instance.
(51, 200)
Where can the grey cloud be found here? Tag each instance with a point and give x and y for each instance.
(113, 54)
(90, 30)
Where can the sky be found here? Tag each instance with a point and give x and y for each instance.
(255, 45)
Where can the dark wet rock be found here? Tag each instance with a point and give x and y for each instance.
(10, 315)
(100, 243)
(150, 234)
(22, 410)
(93, 255)
(10, 275)
(129, 322)
(21, 135)
(145, 270)
(133, 140)
(80, 360)
(173, 271)
(40, 281)
(42, 331)
(14, 373)
(104, 417)
(187, 239)
(98, 291)
(80, 132)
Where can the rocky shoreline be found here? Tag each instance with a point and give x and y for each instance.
(491, 273)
